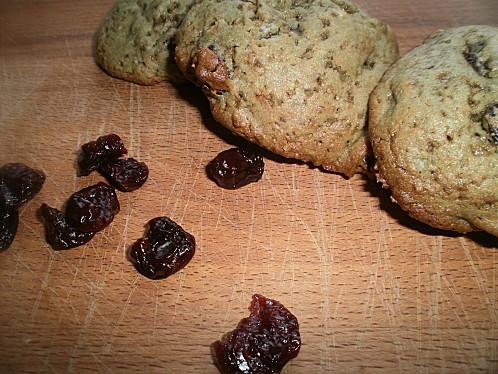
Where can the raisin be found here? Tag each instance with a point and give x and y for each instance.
(125, 174)
(165, 249)
(93, 208)
(95, 153)
(60, 234)
(9, 220)
(262, 343)
(19, 183)
(235, 168)
(7, 196)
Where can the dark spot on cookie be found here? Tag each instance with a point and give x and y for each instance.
(431, 146)
(481, 62)
(490, 123)
(471, 101)
(308, 54)
(330, 64)
(449, 138)
(297, 29)
(369, 63)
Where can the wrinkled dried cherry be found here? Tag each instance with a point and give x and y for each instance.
(9, 220)
(95, 153)
(93, 208)
(262, 343)
(235, 168)
(19, 183)
(125, 174)
(165, 249)
(59, 233)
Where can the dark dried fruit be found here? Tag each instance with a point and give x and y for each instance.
(7, 196)
(235, 168)
(9, 220)
(165, 249)
(125, 174)
(95, 153)
(93, 208)
(262, 343)
(19, 183)
(59, 232)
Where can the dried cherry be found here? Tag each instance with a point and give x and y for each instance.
(125, 174)
(60, 234)
(95, 153)
(93, 208)
(262, 343)
(165, 249)
(19, 183)
(9, 220)
(235, 168)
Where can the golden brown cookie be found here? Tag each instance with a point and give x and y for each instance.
(135, 41)
(291, 76)
(434, 130)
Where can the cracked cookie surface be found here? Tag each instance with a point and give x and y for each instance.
(291, 76)
(135, 41)
(434, 130)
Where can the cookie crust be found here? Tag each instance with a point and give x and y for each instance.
(291, 76)
(433, 129)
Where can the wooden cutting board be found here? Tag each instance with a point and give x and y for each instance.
(374, 291)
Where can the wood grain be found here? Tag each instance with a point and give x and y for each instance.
(374, 291)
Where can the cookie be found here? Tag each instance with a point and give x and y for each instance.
(135, 41)
(434, 130)
(291, 76)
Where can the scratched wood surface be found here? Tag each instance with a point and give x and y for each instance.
(374, 291)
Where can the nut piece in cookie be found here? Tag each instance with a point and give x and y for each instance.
(291, 76)
(210, 70)
(135, 41)
(434, 130)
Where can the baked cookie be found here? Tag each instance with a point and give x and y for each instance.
(134, 43)
(434, 130)
(293, 76)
